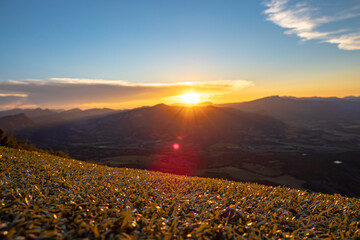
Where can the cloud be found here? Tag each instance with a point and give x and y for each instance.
(75, 92)
(8, 101)
(12, 95)
(347, 42)
(306, 22)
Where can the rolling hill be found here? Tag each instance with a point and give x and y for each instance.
(198, 126)
(15, 123)
(214, 141)
(56, 198)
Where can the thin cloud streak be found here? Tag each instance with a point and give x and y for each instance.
(73, 92)
(305, 21)
(221, 83)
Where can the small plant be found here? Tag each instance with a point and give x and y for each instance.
(47, 197)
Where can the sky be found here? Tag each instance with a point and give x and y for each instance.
(130, 53)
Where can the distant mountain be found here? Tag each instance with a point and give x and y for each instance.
(16, 122)
(315, 108)
(191, 121)
(222, 142)
(195, 126)
(352, 98)
(42, 117)
(31, 113)
(77, 113)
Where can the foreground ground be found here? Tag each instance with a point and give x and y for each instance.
(42, 196)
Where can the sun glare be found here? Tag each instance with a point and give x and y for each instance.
(191, 98)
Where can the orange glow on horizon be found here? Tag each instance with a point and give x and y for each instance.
(194, 94)
(191, 98)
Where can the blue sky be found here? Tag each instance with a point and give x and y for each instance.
(273, 47)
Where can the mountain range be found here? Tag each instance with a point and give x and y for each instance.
(25, 118)
(306, 143)
(200, 126)
(298, 109)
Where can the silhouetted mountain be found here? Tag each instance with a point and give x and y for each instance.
(220, 141)
(196, 125)
(352, 98)
(16, 122)
(31, 113)
(77, 113)
(193, 122)
(43, 117)
(290, 108)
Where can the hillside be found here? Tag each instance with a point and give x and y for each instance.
(214, 142)
(50, 197)
(198, 126)
(16, 122)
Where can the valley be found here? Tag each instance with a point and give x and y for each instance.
(221, 142)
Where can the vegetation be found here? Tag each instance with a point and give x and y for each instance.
(43, 196)
(12, 142)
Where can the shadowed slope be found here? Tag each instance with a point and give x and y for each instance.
(65, 198)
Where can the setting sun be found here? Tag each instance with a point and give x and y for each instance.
(191, 98)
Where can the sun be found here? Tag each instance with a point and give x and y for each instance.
(192, 98)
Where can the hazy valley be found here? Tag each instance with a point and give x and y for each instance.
(302, 143)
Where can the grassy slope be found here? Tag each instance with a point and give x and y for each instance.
(51, 197)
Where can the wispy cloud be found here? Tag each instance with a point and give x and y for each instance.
(306, 21)
(8, 101)
(12, 95)
(347, 42)
(75, 92)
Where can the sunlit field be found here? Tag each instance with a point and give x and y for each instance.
(43, 197)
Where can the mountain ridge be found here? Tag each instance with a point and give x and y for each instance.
(226, 142)
(313, 108)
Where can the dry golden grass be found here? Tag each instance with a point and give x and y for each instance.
(47, 197)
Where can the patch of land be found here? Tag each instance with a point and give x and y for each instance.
(47, 197)
(239, 174)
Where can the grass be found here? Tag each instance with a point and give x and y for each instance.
(47, 197)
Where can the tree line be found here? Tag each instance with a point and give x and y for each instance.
(10, 141)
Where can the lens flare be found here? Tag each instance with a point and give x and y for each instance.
(176, 146)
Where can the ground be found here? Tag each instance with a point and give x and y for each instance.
(43, 196)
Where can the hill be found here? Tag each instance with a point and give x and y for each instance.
(32, 113)
(63, 198)
(197, 126)
(314, 109)
(213, 142)
(43, 117)
(191, 122)
(16, 122)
